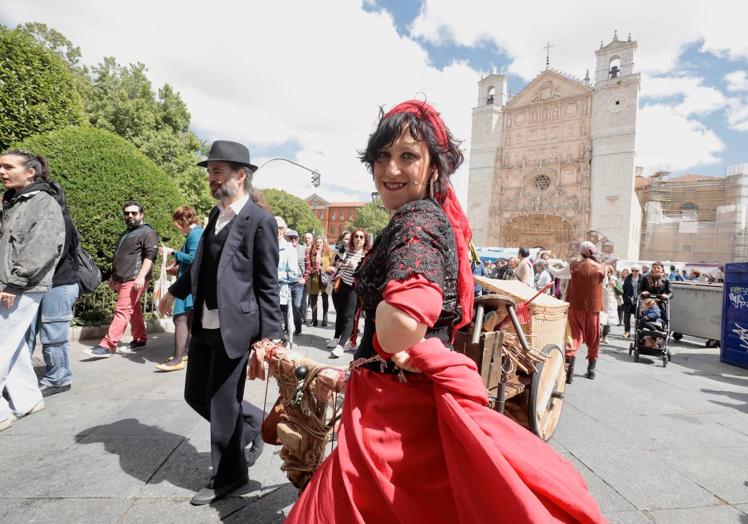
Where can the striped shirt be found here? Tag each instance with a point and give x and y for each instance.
(349, 266)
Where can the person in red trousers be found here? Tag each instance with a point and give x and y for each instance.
(585, 298)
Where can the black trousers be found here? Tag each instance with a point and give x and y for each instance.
(214, 387)
(345, 312)
(628, 310)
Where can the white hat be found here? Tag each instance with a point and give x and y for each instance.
(636, 267)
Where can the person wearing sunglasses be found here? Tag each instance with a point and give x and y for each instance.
(137, 249)
(344, 294)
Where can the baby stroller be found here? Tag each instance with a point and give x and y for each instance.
(651, 336)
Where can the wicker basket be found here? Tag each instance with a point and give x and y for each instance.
(548, 315)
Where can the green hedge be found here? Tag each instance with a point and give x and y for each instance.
(37, 89)
(99, 171)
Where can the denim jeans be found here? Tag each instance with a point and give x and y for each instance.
(297, 293)
(17, 375)
(56, 312)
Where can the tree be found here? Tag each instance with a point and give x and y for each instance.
(99, 171)
(37, 89)
(372, 218)
(122, 101)
(294, 210)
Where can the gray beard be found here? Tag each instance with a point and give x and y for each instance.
(227, 190)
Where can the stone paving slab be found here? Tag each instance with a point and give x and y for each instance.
(655, 445)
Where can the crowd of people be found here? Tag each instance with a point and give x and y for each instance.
(413, 410)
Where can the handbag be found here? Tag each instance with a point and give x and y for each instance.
(161, 287)
(324, 279)
(337, 283)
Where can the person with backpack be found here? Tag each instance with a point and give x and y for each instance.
(32, 234)
(56, 310)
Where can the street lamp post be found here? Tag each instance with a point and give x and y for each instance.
(316, 178)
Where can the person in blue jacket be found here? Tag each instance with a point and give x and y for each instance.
(184, 219)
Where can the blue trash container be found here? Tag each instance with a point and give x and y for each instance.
(735, 315)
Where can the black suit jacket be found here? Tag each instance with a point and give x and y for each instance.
(247, 281)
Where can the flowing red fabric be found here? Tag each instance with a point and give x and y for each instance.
(430, 450)
(451, 207)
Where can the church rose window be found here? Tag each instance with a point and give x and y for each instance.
(542, 182)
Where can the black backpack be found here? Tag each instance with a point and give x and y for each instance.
(89, 275)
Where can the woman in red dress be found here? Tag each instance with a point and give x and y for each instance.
(417, 441)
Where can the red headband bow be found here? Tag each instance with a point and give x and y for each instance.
(451, 207)
(423, 111)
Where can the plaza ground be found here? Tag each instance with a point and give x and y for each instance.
(655, 445)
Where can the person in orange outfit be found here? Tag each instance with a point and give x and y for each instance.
(585, 298)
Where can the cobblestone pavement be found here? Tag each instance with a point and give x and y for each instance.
(656, 445)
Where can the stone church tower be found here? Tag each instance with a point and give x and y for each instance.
(556, 161)
(615, 209)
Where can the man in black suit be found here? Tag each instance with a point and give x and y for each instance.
(234, 282)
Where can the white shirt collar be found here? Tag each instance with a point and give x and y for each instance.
(236, 206)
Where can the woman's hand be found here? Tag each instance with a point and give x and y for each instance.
(402, 360)
(7, 299)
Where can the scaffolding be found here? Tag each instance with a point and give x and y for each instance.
(695, 218)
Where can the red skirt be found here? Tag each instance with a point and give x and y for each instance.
(430, 450)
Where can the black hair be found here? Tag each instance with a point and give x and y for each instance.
(672, 268)
(445, 160)
(524, 252)
(33, 161)
(132, 203)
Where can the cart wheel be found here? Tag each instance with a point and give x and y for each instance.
(677, 336)
(546, 394)
(711, 343)
(636, 355)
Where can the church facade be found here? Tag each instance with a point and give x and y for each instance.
(554, 164)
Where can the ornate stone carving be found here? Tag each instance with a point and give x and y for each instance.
(546, 91)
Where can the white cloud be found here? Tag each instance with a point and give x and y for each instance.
(737, 114)
(737, 80)
(669, 133)
(697, 99)
(266, 73)
(576, 26)
(668, 140)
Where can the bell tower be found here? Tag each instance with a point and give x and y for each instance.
(614, 206)
(485, 139)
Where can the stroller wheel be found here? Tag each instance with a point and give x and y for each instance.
(636, 355)
(669, 356)
(631, 348)
(664, 360)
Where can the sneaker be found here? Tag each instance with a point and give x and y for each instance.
(349, 346)
(100, 352)
(48, 391)
(39, 406)
(332, 343)
(337, 352)
(133, 347)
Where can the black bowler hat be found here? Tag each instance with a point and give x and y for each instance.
(227, 151)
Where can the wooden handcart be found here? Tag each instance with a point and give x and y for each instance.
(521, 360)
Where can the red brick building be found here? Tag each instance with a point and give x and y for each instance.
(335, 216)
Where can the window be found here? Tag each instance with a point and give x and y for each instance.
(614, 69)
(350, 215)
(491, 95)
(334, 215)
(542, 182)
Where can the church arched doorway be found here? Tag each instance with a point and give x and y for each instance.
(549, 231)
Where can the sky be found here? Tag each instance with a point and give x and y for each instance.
(305, 80)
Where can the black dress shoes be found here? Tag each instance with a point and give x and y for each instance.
(209, 494)
(253, 453)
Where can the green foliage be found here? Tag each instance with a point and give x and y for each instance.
(99, 171)
(122, 100)
(52, 40)
(294, 210)
(37, 89)
(372, 218)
